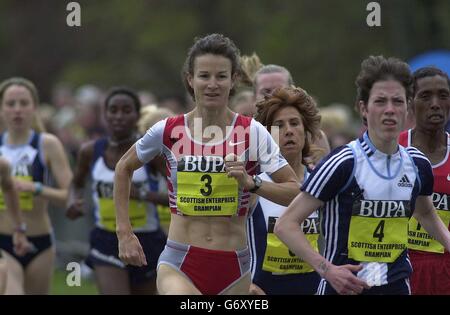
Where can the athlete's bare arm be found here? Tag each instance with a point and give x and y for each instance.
(20, 241)
(58, 164)
(130, 250)
(11, 195)
(282, 191)
(287, 228)
(427, 216)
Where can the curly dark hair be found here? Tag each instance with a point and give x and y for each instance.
(299, 99)
(216, 44)
(378, 68)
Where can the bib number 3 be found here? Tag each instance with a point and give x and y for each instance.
(206, 180)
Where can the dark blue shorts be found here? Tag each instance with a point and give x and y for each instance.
(40, 243)
(104, 251)
(399, 287)
(292, 284)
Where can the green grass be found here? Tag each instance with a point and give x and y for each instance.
(59, 286)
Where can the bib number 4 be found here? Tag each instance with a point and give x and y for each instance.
(379, 231)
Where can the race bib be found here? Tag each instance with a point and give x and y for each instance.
(279, 259)
(206, 194)
(378, 230)
(25, 198)
(137, 213)
(419, 239)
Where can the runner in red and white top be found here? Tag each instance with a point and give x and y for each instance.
(431, 105)
(213, 156)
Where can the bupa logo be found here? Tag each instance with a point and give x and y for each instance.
(21, 169)
(382, 208)
(404, 182)
(105, 190)
(310, 226)
(441, 201)
(210, 164)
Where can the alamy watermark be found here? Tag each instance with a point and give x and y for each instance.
(374, 17)
(74, 16)
(251, 144)
(73, 278)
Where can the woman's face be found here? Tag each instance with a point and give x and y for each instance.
(291, 131)
(18, 108)
(385, 111)
(211, 81)
(431, 103)
(121, 116)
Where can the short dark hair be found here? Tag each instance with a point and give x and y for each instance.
(216, 44)
(428, 72)
(123, 90)
(378, 68)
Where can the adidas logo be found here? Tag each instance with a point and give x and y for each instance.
(404, 182)
(25, 159)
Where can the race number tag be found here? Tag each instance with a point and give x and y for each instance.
(378, 230)
(206, 194)
(25, 197)
(137, 213)
(418, 238)
(279, 259)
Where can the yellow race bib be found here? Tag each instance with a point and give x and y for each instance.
(25, 198)
(378, 230)
(419, 239)
(107, 211)
(206, 194)
(279, 259)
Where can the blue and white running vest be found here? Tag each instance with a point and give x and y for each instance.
(275, 268)
(143, 214)
(369, 197)
(27, 163)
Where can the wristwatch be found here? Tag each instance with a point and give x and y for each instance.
(258, 182)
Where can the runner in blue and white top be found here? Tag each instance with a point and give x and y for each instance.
(369, 189)
(35, 157)
(97, 160)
